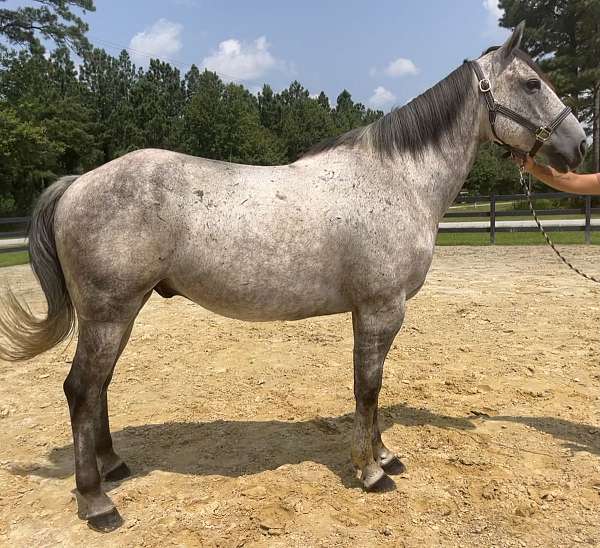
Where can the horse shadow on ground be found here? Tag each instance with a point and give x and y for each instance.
(234, 448)
(576, 436)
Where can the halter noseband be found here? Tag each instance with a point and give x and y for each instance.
(542, 133)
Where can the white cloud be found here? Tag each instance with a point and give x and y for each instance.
(493, 9)
(162, 39)
(381, 97)
(492, 29)
(235, 60)
(401, 67)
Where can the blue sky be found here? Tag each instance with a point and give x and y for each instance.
(383, 51)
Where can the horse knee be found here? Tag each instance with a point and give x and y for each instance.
(366, 394)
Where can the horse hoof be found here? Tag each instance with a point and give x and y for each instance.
(374, 479)
(384, 484)
(393, 466)
(119, 473)
(105, 523)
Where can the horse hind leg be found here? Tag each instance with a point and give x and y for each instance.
(98, 348)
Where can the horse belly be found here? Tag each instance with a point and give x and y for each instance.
(263, 296)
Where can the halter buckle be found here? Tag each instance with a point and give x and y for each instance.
(485, 86)
(543, 134)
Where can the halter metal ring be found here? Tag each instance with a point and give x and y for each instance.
(543, 134)
(485, 86)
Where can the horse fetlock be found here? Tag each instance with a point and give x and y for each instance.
(390, 463)
(119, 473)
(109, 464)
(360, 458)
(382, 455)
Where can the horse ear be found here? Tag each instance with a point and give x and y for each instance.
(513, 43)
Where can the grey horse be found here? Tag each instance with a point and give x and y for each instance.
(349, 227)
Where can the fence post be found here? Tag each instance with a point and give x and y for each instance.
(588, 219)
(493, 218)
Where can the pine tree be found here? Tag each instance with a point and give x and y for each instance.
(54, 20)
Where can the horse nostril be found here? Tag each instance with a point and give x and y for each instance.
(583, 148)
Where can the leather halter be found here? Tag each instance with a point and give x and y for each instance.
(542, 133)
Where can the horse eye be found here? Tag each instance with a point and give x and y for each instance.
(534, 84)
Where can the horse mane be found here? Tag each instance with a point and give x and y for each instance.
(427, 120)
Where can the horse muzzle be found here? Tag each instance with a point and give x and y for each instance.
(564, 157)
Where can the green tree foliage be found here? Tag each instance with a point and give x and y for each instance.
(108, 83)
(300, 121)
(303, 121)
(242, 137)
(25, 153)
(53, 20)
(56, 120)
(492, 173)
(564, 36)
(348, 114)
(47, 128)
(202, 113)
(157, 99)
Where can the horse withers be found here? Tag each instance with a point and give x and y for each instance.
(349, 227)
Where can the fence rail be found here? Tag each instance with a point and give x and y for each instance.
(6, 246)
(492, 227)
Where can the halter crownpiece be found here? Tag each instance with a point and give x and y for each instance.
(541, 133)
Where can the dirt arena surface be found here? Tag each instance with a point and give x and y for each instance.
(238, 434)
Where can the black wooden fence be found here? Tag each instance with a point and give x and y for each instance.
(493, 213)
(18, 225)
(17, 228)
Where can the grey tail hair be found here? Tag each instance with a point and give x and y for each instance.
(23, 335)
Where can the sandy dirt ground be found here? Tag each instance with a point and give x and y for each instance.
(238, 434)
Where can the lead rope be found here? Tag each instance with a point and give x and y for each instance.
(549, 241)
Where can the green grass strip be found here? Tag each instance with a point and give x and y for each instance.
(12, 259)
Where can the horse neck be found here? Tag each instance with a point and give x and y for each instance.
(440, 172)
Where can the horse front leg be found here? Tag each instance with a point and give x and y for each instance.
(386, 458)
(110, 464)
(374, 330)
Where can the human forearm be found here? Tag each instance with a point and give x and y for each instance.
(575, 183)
(553, 178)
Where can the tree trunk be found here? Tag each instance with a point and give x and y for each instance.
(596, 157)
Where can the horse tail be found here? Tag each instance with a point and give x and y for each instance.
(24, 335)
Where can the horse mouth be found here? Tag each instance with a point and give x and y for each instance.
(561, 163)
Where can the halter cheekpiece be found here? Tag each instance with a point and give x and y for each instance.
(541, 133)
